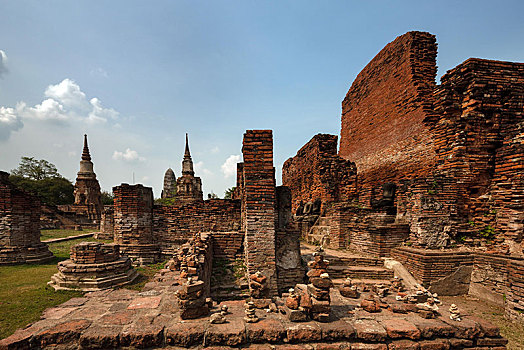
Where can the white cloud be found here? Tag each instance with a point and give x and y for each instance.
(9, 122)
(229, 168)
(98, 72)
(199, 168)
(215, 150)
(65, 103)
(3, 63)
(128, 156)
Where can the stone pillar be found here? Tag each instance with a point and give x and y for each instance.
(106, 224)
(258, 206)
(20, 226)
(133, 223)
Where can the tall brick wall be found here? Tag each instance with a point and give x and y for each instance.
(258, 205)
(383, 129)
(133, 222)
(317, 171)
(176, 224)
(19, 225)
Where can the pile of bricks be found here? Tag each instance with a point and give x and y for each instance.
(194, 260)
(318, 288)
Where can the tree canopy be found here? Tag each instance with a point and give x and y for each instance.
(228, 194)
(33, 169)
(41, 178)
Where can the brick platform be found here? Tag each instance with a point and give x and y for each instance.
(150, 319)
(93, 266)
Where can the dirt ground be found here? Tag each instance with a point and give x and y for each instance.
(511, 330)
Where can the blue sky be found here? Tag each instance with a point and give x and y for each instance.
(136, 76)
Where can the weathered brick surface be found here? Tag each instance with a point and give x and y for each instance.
(19, 226)
(133, 222)
(318, 172)
(176, 224)
(258, 205)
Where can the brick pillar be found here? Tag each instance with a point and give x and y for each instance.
(258, 205)
(133, 222)
(20, 226)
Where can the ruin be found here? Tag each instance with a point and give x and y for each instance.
(427, 176)
(188, 187)
(169, 189)
(93, 266)
(20, 226)
(429, 166)
(86, 211)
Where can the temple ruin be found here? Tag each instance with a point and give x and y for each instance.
(20, 226)
(422, 198)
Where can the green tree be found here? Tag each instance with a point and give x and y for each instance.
(43, 180)
(229, 193)
(33, 169)
(107, 198)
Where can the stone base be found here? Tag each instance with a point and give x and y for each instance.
(93, 277)
(141, 254)
(30, 255)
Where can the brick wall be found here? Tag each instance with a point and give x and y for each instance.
(515, 296)
(430, 265)
(383, 129)
(175, 224)
(19, 225)
(318, 172)
(258, 205)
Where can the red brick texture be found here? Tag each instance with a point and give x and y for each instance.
(19, 225)
(258, 205)
(383, 129)
(318, 172)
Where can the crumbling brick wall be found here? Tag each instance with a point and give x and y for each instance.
(177, 223)
(318, 172)
(19, 225)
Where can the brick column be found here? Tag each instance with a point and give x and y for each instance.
(133, 222)
(258, 205)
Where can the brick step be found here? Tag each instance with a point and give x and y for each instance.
(360, 272)
(361, 282)
(355, 260)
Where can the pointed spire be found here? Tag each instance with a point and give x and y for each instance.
(85, 152)
(186, 153)
(187, 163)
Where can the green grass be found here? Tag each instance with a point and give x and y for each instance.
(51, 234)
(145, 274)
(24, 293)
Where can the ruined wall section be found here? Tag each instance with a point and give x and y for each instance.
(258, 205)
(20, 226)
(133, 222)
(383, 129)
(318, 172)
(478, 142)
(176, 224)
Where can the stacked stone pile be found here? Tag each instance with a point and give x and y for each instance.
(312, 300)
(194, 262)
(93, 266)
